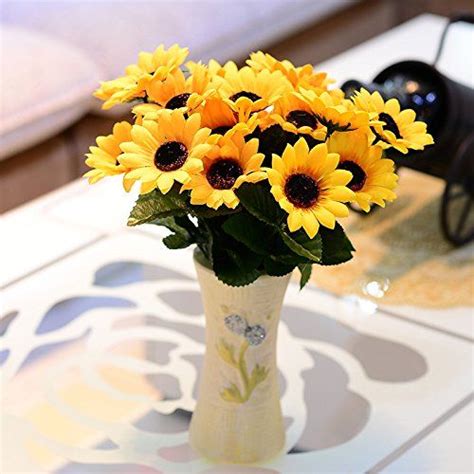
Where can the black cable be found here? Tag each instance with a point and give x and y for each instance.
(466, 17)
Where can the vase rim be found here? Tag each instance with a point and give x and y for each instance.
(209, 271)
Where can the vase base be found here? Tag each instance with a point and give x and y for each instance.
(238, 437)
(242, 459)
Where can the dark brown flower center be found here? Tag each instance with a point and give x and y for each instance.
(301, 190)
(390, 124)
(171, 156)
(358, 175)
(221, 130)
(178, 101)
(223, 173)
(378, 137)
(250, 95)
(301, 118)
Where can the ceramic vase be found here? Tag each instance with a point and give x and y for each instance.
(238, 417)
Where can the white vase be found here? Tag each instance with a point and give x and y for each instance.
(238, 416)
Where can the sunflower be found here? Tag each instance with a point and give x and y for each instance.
(246, 89)
(164, 151)
(308, 186)
(231, 162)
(308, 78)
(215, 68)
(150, 66)
(333, 111)
(272, 138)
(298, 76)
(295, 115)
(373, 178)
(118, 91)
(395, 128)
(177, 91)
(222, 120)
(160, 62)
(103, 157)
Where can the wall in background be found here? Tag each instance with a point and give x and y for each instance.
(61, 159)
(358, 23)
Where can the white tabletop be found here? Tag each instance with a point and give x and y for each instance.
(411, 413)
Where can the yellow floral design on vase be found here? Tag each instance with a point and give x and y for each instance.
(253, 336)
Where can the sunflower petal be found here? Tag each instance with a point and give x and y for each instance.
(325, 217)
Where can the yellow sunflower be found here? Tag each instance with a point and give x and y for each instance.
(309, 187)
(215, 68)
(118, 91)
(227, 165)
(295, 115)
(249, 90)
(373, 178)
(222, 120)
(302, 76)
(177, 91)
(160, 62)
(146, 112)
(308, 78)
(333, 111)
(103, 158)
(150, 66)
(395, 128)
(164, 151)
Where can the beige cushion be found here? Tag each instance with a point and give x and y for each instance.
(45, 85)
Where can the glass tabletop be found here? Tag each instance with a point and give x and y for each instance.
(100, 356)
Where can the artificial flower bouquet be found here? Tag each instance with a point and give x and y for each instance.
(255, 165)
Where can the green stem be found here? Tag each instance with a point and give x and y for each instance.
(204, 241)
(243, 369)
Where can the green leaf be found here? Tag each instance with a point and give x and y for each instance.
(301, 244)
(337, 248)
(258, 201)
(290, 258)
(154, 205)
(259, 374)
(208, 212)
(265, 240)
(178, 241)
(204, 240)
(227, 353)
(250, 231)
(169, 222)
(232, 394)
(275, 268)
(180, 238)
(305, 270)
(186, 223)
(234, 264)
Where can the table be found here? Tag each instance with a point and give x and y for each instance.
(102, 336)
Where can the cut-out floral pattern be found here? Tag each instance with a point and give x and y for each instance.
(253, 336)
